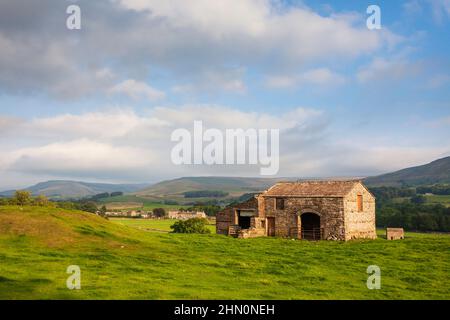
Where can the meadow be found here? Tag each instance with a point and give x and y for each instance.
(133, 202)
(119, 260)
(436, 199)
(162, 225)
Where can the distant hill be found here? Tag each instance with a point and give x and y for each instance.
(235, 186)
(437, 171)
(76, 189)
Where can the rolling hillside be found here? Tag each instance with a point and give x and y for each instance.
(38, 244)
(235, 186)
(75, 189)
(437, 171)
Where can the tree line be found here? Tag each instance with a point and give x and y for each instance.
(205, 194)
(410, 211)
(24, 198)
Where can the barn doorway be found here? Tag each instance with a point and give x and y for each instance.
(244, 218)
(244, 222)
(310, 223)
(271, 226)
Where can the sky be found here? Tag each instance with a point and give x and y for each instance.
(100, 103)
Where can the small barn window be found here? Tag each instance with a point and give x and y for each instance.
(359, 202)
(279, 204)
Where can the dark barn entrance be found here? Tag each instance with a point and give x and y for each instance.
(244, 217)
(310, 223)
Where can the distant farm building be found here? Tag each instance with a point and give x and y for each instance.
(395, 233)
(331, 210)
(129, 214)
(184, 215)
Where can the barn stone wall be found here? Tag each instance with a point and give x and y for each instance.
(359, 224)
(330, 210)
(224, 219)
(228, 216)
(340, 218)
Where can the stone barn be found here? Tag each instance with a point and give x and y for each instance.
(313, 210)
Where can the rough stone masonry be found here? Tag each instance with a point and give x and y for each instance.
(313, 210)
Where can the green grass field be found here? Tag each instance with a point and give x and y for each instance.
(430, 199)
(442, 199)
(135, 202)
(119, 261)
(152, 224)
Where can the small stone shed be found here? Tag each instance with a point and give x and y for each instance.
(395, 233)
(313, 210)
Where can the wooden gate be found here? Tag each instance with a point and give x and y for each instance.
(312, 234)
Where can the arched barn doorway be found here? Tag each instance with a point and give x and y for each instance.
(310, 223)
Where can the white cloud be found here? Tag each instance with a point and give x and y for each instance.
(80, 158)
(123, 145)
(297, 33)
(109, 124)
(195, 41)
(9, 123)
(137, 90)
(440, 9)
(319, 77)
(383, 70)
(227, 80)
(438, 80)
(412, 7)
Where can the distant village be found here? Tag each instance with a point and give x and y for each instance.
(143, 214)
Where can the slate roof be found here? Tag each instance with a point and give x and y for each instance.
(316, 188)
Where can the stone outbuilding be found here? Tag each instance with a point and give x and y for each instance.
(395, 234)
(313, 210)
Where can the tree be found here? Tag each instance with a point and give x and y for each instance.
(159, 212)
(418, 199)
(22, 197)
(103, 211)
(205, 194)
(88, 206)
(66, 205)
(116, 194)
(170, 202)
(193, 225)
(100, 196)
(41, 200)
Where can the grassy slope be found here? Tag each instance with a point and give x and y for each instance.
(430, 199)
(136, 202)
(64, 189)
(234, 185)
(117, 261)
(442, 199)
(153, 224)
(437, 171)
